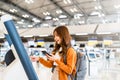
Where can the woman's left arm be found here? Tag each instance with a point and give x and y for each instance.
(71, 61)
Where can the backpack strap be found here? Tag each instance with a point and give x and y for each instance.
(78, 62)
(70, 76)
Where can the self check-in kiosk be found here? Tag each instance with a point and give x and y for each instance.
(20, 67)
(13, 69)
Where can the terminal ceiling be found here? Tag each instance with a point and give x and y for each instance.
(56, 12)
(40, 13)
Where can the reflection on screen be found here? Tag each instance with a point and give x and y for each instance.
(92, 55)
(9, 57)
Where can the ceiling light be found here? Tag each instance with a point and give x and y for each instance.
(81, 34)
(2, 37)
(30, 25)
(13, 10)
(55, 19)
(1, 12)
(43, 35)
(29, 1)
(62, 16)
(73, 10)
(104, 33)
(98, 7)
(48, 17)
(36, 20)
(28, 36)
(20, 22)
(58, 11)
(17, 27)
(25, 16)
(95, 13)
(77, 16)
(81, 22)
(62, 23)
(67, 1)
(45, 24)
(46, 13)
(101, 15)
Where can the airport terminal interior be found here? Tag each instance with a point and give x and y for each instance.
(93, 24)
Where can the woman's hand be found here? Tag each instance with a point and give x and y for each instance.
(34, 58)
(52, 57)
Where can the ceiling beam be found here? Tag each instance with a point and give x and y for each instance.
(22, 9)
(16, 15)
(80, 8)
(55, 3)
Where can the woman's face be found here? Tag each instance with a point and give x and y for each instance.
(57, 38)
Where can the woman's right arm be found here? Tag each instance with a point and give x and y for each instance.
(46, 63)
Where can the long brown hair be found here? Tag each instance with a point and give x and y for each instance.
(63, 33)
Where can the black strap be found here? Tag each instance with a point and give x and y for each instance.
(78, 62)
(53, 68)
(71, 77)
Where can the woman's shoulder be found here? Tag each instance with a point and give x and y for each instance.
(71, 50)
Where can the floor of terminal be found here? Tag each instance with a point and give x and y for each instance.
(109, 71)
(100, 70)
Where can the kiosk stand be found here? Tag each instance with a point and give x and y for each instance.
(14, 69)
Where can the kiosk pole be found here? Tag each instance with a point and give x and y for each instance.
(8, 39)
(17, 42)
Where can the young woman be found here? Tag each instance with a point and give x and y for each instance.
(63, 56)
